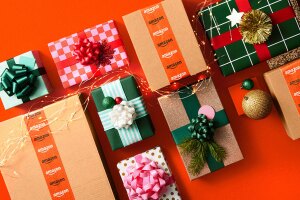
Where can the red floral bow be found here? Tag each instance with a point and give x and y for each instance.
(146, 180)
(88, 53)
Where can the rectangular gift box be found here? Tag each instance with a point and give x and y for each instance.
(232, 52)
(284, 58)
(71, 71)
(180, 108)
(157, 156)
(18, 71)
(165, 43)
(284, 83)
(141, 128)
(51, 154)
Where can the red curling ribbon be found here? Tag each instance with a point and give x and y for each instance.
(87, 52)
(72, 60)
(146, 180)
(234, 35)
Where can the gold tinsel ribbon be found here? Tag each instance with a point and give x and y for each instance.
(255, 27)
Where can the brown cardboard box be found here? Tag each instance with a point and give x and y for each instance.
(147, 52)
(73, 136)
(283, 100)
(175, 112)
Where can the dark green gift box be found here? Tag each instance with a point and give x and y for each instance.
(127, 89)
(234, 55)
(181, 108)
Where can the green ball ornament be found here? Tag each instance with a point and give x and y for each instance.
(108, 102)
(247, 84)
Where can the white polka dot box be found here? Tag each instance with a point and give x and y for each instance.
(147, 176)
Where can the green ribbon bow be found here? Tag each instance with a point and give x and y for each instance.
(18, 80)
(202, 128)
(201, 145)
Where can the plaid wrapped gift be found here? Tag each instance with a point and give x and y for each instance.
(22, 79)
(232, 53)
(141, 128)
(180, 109)
(71, 71)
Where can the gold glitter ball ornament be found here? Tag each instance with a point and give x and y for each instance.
(257, 104)
(255, 27)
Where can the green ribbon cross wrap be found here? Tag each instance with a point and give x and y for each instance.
(191, 105)
(19, 79)
(140, 129)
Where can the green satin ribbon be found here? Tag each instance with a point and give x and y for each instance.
(191, 105)
(18, 80)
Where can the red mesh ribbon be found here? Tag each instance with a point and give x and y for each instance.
(88, 53)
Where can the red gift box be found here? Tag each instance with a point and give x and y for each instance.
(70, 70)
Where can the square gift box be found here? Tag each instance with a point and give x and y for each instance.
(51, 154)
(141, 127)
(22, 78)
(181, 109)
(283, 83)
(165, 43)
(232, 52)
(154, 160)
(71, 71)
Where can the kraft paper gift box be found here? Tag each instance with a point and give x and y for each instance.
(71, 71)
(284, 83)
(134, 164)
(179, 109)
(141, 128)
(232, 53)
(22, 79)
(55, 155)
(165, 43)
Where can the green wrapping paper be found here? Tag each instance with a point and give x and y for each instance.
(179, 109)
(22, 78)
(238, 55)
(127, 89)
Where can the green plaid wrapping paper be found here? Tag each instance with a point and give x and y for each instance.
(239, 55)
(127, 89)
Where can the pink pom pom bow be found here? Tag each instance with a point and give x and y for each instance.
(146, 180)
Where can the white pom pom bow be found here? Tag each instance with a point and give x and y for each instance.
(123, 115)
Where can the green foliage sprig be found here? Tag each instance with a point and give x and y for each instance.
(200, 144)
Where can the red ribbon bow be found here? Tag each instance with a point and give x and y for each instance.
(88, 53)
(146, 180)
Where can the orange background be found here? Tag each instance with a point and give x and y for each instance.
(237, 95)
(270, 168)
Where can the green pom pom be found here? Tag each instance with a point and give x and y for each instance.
(247, 84)
(108, 102)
